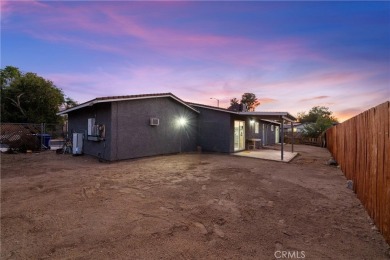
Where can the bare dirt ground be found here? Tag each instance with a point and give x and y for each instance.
(188, 206)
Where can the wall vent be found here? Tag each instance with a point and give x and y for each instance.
(154, 121)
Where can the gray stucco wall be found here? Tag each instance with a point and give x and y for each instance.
(133, 137)
(266, 134)
(215, 131)
(129, 134)
(78, 123)
(250, 131)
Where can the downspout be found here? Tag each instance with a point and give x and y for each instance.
(292, 137)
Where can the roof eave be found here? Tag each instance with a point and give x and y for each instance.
(281, 115)
(213, 108)
(96, 101)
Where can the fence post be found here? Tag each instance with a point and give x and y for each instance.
(292, 137)
(40, 138)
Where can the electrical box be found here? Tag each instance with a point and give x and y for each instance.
(154, 121)
(77, 144)
(91, 124)
(96, 132)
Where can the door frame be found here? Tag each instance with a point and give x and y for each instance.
(277, 134)
(241, 135)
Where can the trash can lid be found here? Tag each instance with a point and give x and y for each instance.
(43, 134)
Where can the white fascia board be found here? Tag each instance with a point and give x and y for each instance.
(90, 103)
(270, 121)
(216, 109)
(93, 102)
(289, 119)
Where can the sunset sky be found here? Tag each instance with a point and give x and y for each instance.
(292, 55)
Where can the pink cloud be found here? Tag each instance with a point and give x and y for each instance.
(134, 80)
(264, 67)
(327, 81)
(314, 98)
(264, 101)
(90, 44)
(345, 114)
(107, 21)
(25, 6)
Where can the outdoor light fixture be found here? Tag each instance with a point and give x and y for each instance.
(182, 121)
(252, 121)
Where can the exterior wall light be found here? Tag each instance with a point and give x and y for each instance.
(182, 121)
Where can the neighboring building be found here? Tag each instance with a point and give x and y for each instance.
(124, 127)
(298, 127)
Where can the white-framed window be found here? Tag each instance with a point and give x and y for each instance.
(272, 128)
(257, 127)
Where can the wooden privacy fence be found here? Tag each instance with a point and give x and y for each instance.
(361, 147)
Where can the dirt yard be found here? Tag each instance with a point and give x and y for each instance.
(189, 206)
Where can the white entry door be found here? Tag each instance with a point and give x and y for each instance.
(277, 134)
(239, 135)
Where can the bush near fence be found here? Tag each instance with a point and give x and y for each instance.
(20, 137)
(25, 136)
(361, 147)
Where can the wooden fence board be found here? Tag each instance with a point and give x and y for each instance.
(386, 170)
(380, 162)
(361, 147)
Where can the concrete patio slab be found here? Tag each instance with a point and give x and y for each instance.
(267, 154)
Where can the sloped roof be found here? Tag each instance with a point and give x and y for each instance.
(211, 107)
(125, 98)
(263, 115)
(270, 115)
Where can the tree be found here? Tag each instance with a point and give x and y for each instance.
(7, 75)
(234, 101)
(27, 97)
(250, 100)
(316, 121)
(69, 103)
(315, 113)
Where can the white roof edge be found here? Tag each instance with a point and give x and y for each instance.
(270, 121)
(282, 114)
(94, 101)
(265, 113)
(89, 103)
(184, 103)
(213, 108)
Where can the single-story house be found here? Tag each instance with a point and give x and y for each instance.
(124, 127)
(297, 127)
(223, 130)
